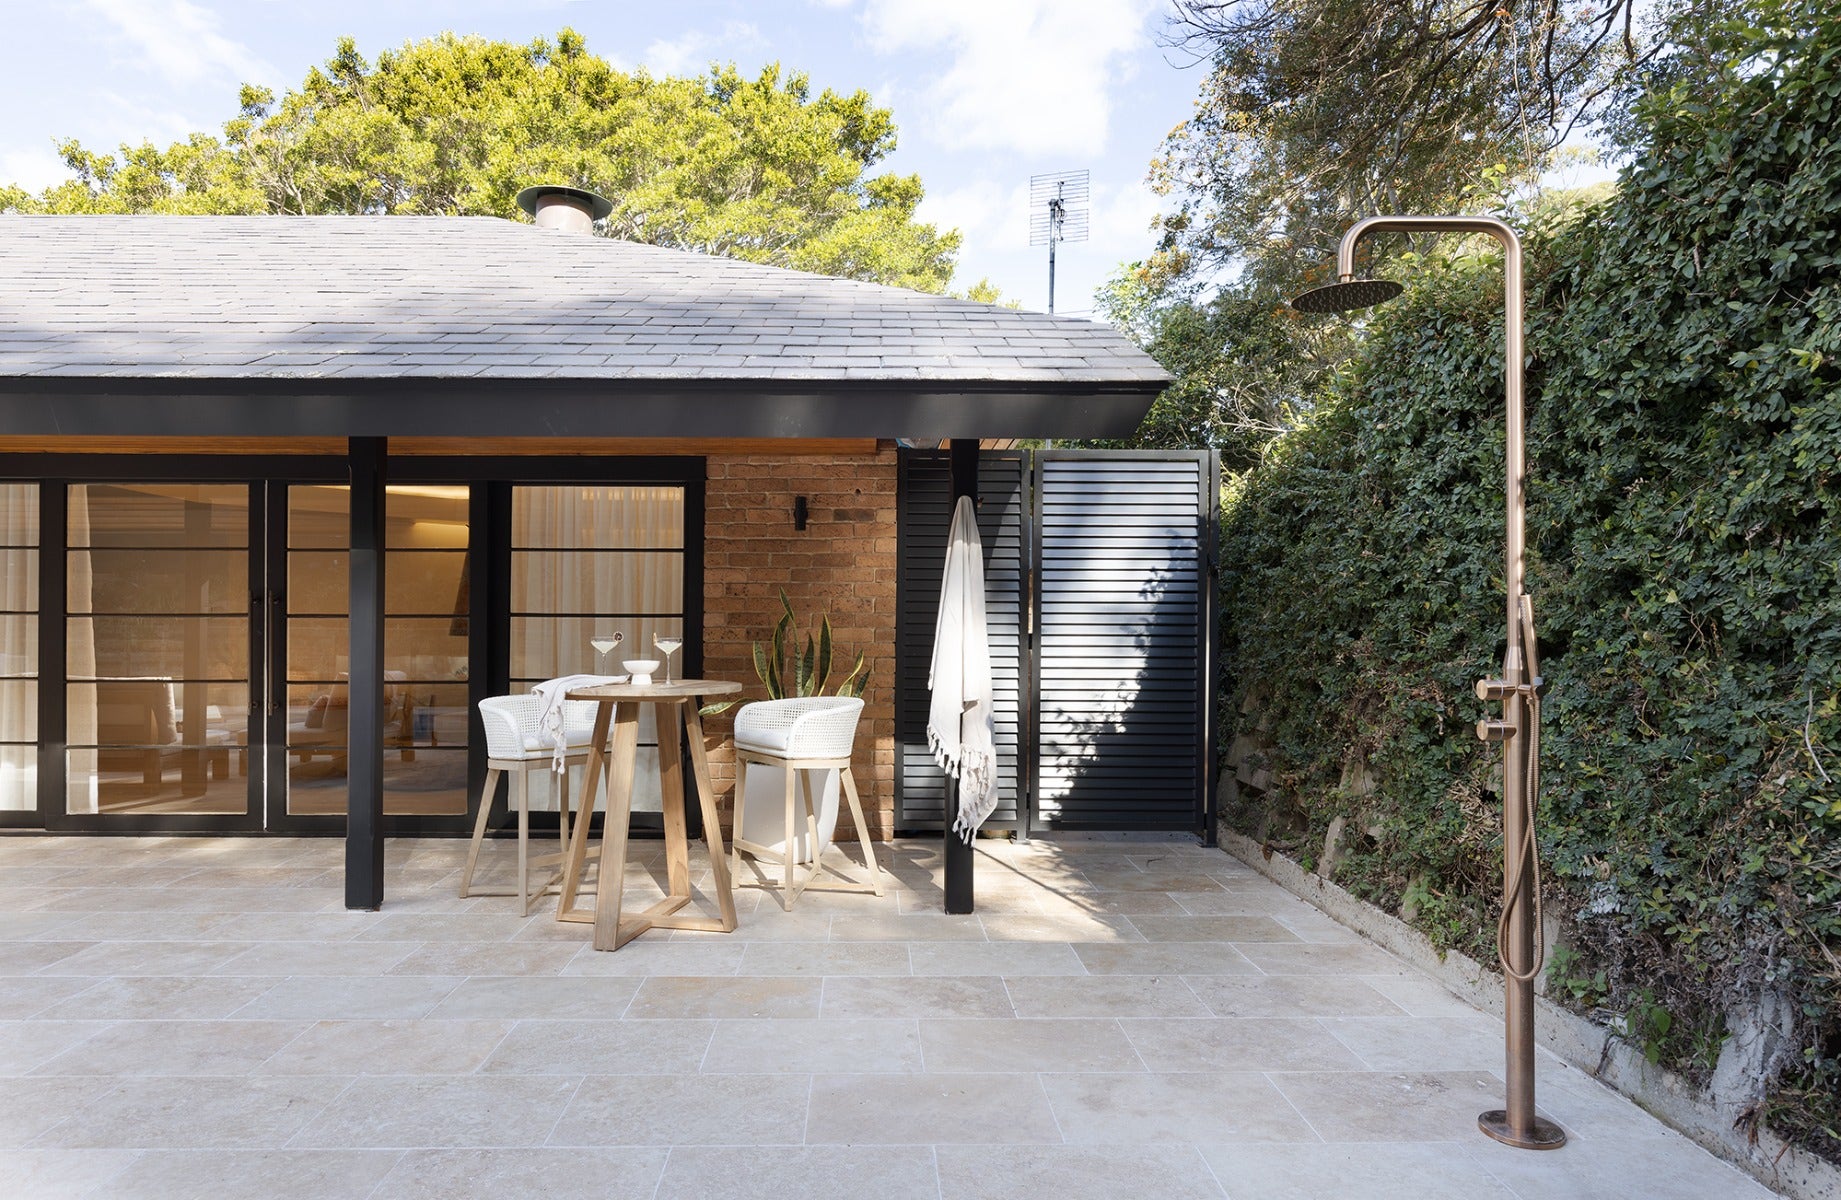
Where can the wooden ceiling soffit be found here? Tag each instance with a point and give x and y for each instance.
(415, 447)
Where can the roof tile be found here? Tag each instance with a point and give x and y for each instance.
(255, 297)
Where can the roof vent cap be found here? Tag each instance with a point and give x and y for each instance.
(572, 210)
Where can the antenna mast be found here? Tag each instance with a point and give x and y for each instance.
(1057, 213)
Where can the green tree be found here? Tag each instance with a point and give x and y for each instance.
(1247, 365)
(1316, 112)
(752, 167)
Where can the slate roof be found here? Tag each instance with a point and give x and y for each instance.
(304, 298)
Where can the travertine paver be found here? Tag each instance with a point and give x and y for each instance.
(1121, 1018)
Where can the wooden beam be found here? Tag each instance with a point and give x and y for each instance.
(334, 446)
(419, 447)
(633, 447)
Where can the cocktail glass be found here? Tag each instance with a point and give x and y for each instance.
(667, 646)
(606, 645)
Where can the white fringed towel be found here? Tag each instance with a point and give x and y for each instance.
(550, 721)
(960, 721)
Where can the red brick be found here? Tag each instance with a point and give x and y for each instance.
(842, 564)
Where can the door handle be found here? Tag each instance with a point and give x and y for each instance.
(277, 608)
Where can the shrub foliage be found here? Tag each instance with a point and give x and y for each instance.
(1685, 558)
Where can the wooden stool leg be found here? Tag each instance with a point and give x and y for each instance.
(789, 849)
(524, 840)
(811, 830)
(594, 777)
(735, 822)
(562, 825)
(479, 829)
(856, 812)
(811, 815)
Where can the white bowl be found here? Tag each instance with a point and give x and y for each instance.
(640, 666)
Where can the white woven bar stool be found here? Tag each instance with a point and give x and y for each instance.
(516, 746)
(801, 735)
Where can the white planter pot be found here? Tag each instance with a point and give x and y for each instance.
(764, 818)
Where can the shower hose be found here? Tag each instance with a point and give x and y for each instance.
(1527, 853)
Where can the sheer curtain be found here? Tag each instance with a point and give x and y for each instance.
(588, 562)
(80, 653)
(19, 559)
(591, 561)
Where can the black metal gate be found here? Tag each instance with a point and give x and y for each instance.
(924, 511)
(1100, 590)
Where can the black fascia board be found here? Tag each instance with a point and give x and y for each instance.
(422, 406)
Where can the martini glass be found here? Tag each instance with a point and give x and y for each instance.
(605, 646)
(667, 646)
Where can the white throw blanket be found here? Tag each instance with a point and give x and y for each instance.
(550, 721)
(960, 722)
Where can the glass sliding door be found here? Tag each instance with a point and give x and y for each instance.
(19, 559)
(174, 649)
(426, 658)
(587, 562)
(157, 649)
(426, 624)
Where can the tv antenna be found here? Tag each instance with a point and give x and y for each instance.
(1057, 213)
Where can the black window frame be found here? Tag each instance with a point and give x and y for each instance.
(491, 478)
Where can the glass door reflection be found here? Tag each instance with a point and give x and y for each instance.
(426, 647)
(157, 648)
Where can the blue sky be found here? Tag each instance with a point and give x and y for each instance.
(985, 92)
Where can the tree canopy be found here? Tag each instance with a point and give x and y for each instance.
(752, 167)
(1316, 112)
(1246, 365)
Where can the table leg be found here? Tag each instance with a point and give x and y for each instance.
(607, 934)
(578, 844)
(671, 799)
(712, 824)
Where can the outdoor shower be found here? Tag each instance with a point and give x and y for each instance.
(1518, 946)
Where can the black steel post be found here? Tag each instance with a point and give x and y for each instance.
(964, 465)
(364, 749)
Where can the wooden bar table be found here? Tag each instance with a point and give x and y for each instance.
(674, 707)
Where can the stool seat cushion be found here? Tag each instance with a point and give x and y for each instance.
(799, 727)
(578, 737)
(766, 741)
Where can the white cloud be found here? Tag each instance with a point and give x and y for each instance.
(181, 41)
(150, 124)
(1121, 220)
(691, 53)
(996, 217)
(33, 170)
(992, 217)
(1036, 76)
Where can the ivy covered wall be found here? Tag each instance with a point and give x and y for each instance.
(1684, 376)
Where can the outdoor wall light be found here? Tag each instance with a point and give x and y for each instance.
(799, 513)
(1518, 948)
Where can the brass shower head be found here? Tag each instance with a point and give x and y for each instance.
(1348, 295)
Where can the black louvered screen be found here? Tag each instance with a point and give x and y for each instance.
(924, 514)
(1122, 654)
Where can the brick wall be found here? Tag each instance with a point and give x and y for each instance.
(843, 563)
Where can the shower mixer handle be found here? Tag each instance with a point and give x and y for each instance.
(1494, 689)
(1502, 689)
